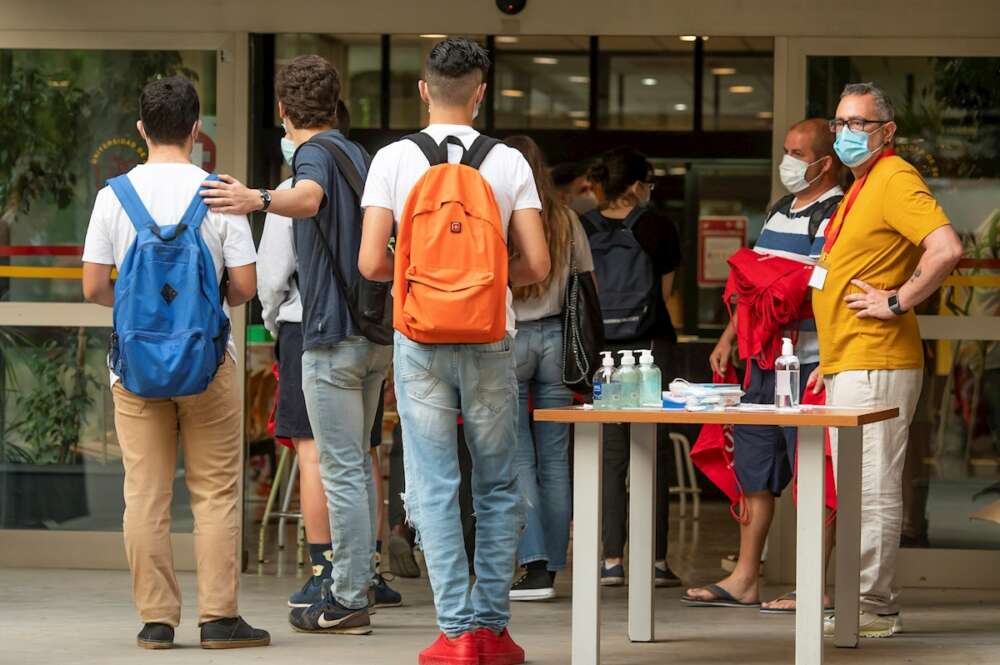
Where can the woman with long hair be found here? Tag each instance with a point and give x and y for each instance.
(636, 285)
(542, 461)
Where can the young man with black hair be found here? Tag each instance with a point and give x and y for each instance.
(342, 371)
(436, 382)
(206, 424)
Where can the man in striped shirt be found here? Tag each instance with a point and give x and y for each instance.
(764, 456)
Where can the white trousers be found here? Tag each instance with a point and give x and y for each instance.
(883, 456)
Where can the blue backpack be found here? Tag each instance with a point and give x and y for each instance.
(626, 284)
(170, 331)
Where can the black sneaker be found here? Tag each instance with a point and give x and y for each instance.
(613, 576)
(310, 593)
(329, 616)
(666, 578)
(533, 585)
(382, 594)
(156, 636)
(232, 634)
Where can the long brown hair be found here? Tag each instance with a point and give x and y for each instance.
(556, 216)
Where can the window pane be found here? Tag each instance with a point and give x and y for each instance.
(542, 82)
(738, 91)
(407, 54)
(69, 125)
(358, 59)
(646, 90)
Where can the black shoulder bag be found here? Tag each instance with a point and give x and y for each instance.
(583, 329)
(369, 303)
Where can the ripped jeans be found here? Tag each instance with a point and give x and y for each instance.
(433, 384)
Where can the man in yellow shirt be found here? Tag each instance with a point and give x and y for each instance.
(888, 248)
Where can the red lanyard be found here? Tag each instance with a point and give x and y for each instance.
(848, 203)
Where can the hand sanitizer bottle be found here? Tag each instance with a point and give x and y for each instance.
(628, 377)
(605, 391)
(786, 377)
(650, 381)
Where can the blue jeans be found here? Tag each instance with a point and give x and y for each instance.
(542, 460)
(434, 384)
(341, 385)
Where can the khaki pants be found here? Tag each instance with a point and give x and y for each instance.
(883, 456)
(208, 427)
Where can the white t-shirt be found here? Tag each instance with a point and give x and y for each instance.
(550, 302)
(277, 265)
(166, 190)
(397, 167)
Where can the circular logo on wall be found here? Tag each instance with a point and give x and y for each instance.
(114, 157)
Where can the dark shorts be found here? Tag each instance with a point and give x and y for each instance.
(764, 455)
(291, 421)
(379, 415)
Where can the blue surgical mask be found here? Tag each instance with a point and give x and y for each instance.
(852, 147)
(287, 149)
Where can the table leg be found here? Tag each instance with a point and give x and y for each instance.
(848, 536)
(809, 573)
(588, 476)
(642, 532)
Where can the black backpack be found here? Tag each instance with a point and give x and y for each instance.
(626, 283)
(822, 210)
(369, 303)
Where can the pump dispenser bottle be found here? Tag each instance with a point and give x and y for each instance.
(628, 378)
(786, 377)
(650, 381)
(606, 392)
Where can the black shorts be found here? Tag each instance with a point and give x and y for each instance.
(379, 415)
(764, 455)
(291, 420)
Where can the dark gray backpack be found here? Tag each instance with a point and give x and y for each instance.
(626, 284)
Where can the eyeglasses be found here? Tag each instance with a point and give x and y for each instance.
(854, 124)
(649, 183)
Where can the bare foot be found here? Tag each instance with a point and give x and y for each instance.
(745, 591)
(786, 603)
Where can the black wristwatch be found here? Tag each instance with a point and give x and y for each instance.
(265, 198)
(894, 305)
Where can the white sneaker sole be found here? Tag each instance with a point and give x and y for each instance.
(612, 581)
(533, 594)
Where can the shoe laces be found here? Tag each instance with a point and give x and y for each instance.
(520, 580)
(382, 579)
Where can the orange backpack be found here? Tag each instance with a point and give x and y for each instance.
(451, 251)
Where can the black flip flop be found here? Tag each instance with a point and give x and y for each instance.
(788, 596)
(722, 599)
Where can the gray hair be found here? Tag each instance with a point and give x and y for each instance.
(882, 101)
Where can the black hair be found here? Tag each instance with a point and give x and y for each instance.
(452, 67)
(565, 173)
(618, 169)
(169, 109)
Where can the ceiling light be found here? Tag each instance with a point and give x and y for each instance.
(723, 71)
(507, 39)
(649, 80)
(688, 38)
(578, 114)
(511, 92)
(765, 115)
(545, 60)
(680, 107)
(741, 89)
(579, 79)
(677, 170)
(659, 173)
(432, 36)
(582, 124)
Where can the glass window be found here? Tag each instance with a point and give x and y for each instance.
(948, 117)
(407, 54)
(358, 59)
(738, 91)
(542, 82)
(646, 83)
(69, 125)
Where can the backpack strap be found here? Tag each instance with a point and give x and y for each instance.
(131, 203)
(591, 222)
(784, 205)
(632, 217)
(435, 154)
(823, 210)
(477, 152)
(345, 164)
(195, 214)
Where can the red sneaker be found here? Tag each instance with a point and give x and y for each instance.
(498, 649)
(444, 651)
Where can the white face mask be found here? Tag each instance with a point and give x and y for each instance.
(793, 173)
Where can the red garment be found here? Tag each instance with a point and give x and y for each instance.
(771, 292)
(831, 488)
(713, 454)
(270, 420)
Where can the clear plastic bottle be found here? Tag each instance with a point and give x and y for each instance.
(650, 381)
(628, 378)
(786, 377)
(606, 392)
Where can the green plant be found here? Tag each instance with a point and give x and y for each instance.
(51, 412)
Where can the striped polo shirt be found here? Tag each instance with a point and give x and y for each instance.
(787, 236)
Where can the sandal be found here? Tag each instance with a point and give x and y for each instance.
(722, 599)
(786, 610)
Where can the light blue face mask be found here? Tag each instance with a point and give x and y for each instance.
(287, 149)
(852, 147)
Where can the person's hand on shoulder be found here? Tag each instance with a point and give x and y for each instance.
(229, 195)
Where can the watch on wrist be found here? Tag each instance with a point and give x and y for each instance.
(265, 199)
(894, 305)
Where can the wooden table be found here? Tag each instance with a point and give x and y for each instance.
(809, 572)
